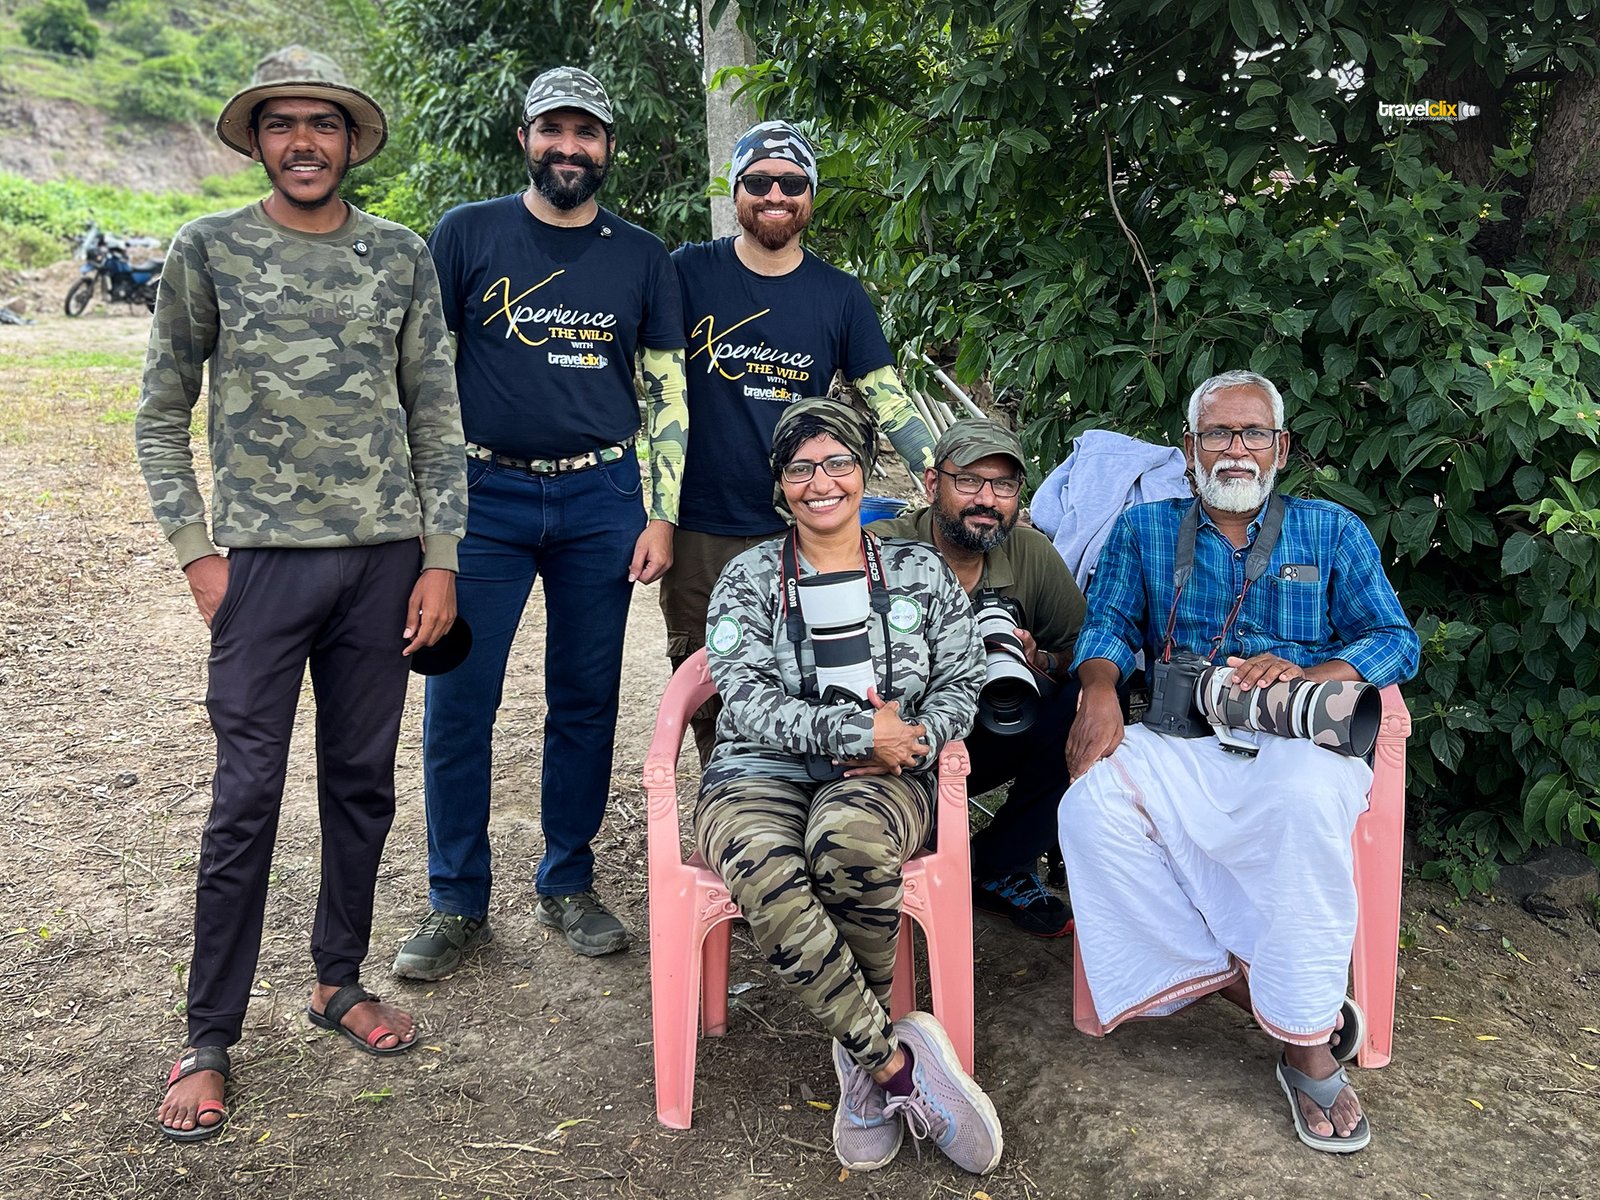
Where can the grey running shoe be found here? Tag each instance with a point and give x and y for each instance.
(586, 923)
(946, 1104)
(439, 944)
(865, 1137)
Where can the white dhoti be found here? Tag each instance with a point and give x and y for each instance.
(1189, 864)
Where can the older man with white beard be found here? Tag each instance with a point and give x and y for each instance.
(1194, 869)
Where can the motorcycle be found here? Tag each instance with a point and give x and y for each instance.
(106, 267)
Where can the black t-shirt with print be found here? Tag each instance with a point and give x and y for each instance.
(547, 321)
(757, 343)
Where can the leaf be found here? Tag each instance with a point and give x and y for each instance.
(1474, 21)
(1474, 1104)
(1585, 464)
(1353, 42)
(1309, 121)
(1486, 1037)
(1519, 554)
(1448, 1020)
(820, 1105)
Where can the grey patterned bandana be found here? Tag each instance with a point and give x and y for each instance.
(847, 425)
(774, 139)
(567, 87)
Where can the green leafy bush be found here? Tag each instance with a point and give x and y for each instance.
(145, 26)
(167, 88)
(38, 221)
(1093, 213)
(60, 27)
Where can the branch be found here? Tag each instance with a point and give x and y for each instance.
(1133, 240)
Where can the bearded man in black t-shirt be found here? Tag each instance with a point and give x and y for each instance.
(768, 323)
(550, 298)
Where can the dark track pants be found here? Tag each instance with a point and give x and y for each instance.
(1035, 762)
(342, 610)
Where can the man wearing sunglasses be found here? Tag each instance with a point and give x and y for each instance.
(974, 497)
(768, 322)
(1196, 869)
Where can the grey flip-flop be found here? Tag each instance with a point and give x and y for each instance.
(1323, 1093)
(1348, 1039)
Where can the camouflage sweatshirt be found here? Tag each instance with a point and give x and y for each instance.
(766, 727)
(332, 415)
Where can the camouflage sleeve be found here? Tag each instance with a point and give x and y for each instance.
(667, 427)
(183, 335)
(950, 701)
(744, 666)
(433, 418)
(897, 417)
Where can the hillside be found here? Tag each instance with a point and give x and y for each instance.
(46, 139)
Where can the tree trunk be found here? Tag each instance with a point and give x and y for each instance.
(725, 46)
(1470, 156)
(1567, 173)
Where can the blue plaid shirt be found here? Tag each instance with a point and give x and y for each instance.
(1323, 596)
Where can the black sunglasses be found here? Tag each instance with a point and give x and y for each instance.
(789, 185)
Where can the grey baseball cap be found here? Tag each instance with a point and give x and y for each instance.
(965, 442)
(297, 73)
(567, 87)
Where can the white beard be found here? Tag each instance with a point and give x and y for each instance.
(1234, 495)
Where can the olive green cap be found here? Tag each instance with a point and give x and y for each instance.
(965, 442)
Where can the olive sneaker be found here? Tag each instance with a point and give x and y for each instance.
(946, 1105)
(439, 944)
(584, 921)
(865, 1136)
(1032, 907)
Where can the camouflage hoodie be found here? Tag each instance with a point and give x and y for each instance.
(766, 728)
(332, 415)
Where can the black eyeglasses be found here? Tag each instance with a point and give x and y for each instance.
(789, 185)
(802, 469)
(969, 484)
(1254, 438)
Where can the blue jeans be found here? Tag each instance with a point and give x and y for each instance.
(577, 532)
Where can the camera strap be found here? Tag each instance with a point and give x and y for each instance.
(1255, 566)
(794, 624)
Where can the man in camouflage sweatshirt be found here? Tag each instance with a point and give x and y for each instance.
(339, 490)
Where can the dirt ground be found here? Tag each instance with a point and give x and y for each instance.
(535, 1076)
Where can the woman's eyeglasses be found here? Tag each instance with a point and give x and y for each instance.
(789, 185)
(802, 469)
(1214, 441)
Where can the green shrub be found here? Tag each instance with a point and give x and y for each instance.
(60, 27)
(146, 26)
(23, 247)
(166, 88)
(226, 61)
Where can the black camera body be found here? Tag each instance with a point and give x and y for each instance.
(1172, 708)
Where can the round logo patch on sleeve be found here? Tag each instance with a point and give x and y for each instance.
(725, 637)
(905, 614)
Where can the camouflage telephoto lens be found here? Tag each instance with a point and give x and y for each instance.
(1338, 715)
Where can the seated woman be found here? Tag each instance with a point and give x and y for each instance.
(815, 865)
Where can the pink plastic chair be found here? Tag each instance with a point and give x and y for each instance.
(1377, 845)
(690, 912)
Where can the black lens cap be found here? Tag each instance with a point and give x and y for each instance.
(445, 655)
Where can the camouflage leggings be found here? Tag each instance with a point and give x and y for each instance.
(815, 868)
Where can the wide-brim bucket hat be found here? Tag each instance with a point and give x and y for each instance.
(297, 72)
